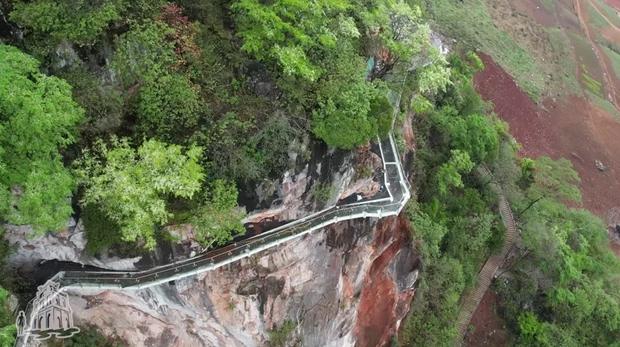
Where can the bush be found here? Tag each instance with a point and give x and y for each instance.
(144, 53)
(218, 219)
(77, 21)
(278, 337)
(169, 108)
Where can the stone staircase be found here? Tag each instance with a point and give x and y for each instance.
(472, 298)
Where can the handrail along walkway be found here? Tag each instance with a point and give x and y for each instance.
(395, 182)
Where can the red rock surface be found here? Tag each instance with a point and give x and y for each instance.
(382, 306)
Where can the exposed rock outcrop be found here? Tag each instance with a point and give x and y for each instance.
(67, 245)
(348, 284)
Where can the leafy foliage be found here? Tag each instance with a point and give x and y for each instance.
(131, 186)
(449, 174)
(279, 336)
(168, 107)
(342, 120)
(454, 218)
(143, 53)
(38, 119)
(8, 330)
(87, 21)
(289, 32)
(218, 219)
(89, 336)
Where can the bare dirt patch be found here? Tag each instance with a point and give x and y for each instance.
(528, 124)
(536, 28)
(614, 3)
(489, 329)
(572, 128)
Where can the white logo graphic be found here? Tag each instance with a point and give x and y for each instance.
(47, 315)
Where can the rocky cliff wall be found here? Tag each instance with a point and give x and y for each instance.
(348, 284)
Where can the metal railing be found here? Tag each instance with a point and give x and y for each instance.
(394, 181)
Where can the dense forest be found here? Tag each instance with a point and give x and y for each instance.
(140, 114)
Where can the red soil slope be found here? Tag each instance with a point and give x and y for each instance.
(571, 128)
(614, 3)
(489, 327)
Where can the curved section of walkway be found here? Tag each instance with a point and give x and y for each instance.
(472, 299)
(394, 180)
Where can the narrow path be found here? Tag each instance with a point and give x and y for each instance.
(471, 299)
(597, 9)
(609, 83)
(395, 182)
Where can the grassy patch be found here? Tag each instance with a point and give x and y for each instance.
(591, 85)
(609, 12)
(595, 18)
(549, 5)
(470, 21)
(566, 65)
(604, 104)
(280, 335)
(615, 59)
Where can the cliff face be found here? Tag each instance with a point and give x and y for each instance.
(349, 284)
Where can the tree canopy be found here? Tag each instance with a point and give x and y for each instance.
(38, 119)
(218, 219)
(132, 186)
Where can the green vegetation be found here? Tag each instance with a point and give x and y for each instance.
(244, 80)
(470, 21)
(595, 18)
(453, 217)
(593, 86)
(609, 12)
(8, 330)
(322, 192)
(130, 186)
(218, 219)
(279, 336)
(38, 119)
(88, 337)
(86, 22)
(614, 56)
(168, 107)
(144, 53)
(562, 290)
(169, 115)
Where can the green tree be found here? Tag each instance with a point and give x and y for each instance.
(131, 187)
(169, 107)
(342, 119)
(477, 135)
(8, 330)
(382, 111)
(38, 119)
(78, 21)
(290, 33)
(435, 76)
(449, 174)
(218, 219)
(144, 53)
(396, 23)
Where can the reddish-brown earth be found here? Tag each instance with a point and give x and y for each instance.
(382, 306)
(571, 128)
(614, 3)
(489, 328)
